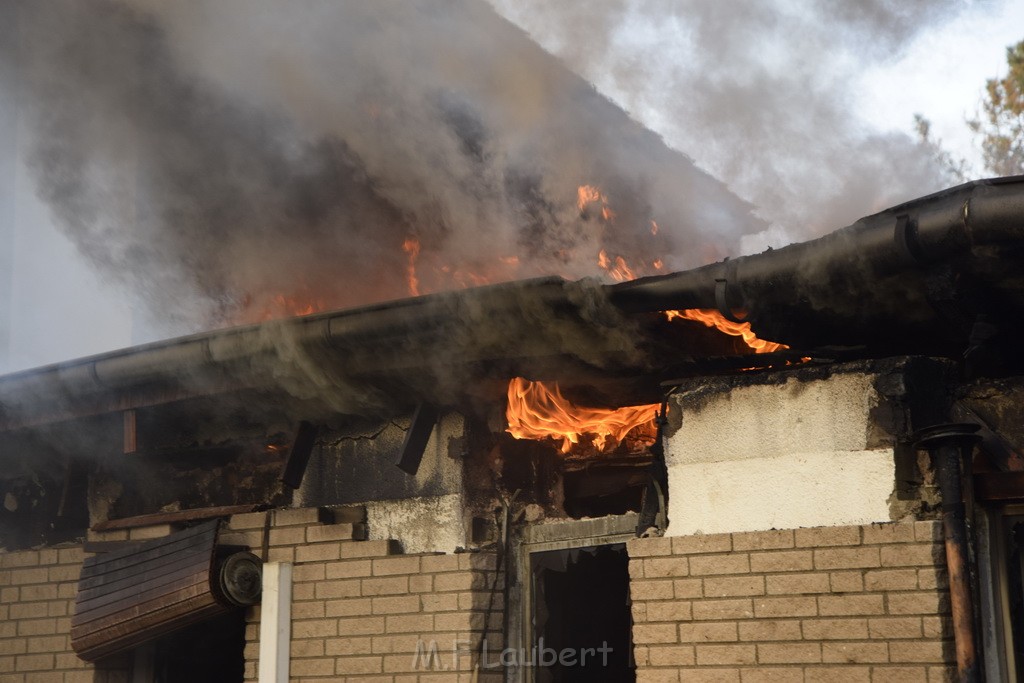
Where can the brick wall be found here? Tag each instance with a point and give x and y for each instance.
(360, 609)
(852, 603)
(37, 593)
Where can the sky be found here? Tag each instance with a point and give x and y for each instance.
(62, 307)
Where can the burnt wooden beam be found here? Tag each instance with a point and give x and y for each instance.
(298, 456)
(423, 422)
(176, 517)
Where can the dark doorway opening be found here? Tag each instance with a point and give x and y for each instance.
(208, 652)
(582, 624)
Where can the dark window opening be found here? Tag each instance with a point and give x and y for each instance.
(582, 624)
(208, 652)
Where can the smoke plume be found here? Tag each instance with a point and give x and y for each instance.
(236, 160)
(759, 93)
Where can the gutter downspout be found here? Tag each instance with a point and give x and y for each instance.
(949, 445)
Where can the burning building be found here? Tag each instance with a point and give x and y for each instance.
(802, 463)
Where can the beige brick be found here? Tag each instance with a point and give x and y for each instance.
(22, 577)
(937, 627)
(855, 653)
(63, 573)
(847, 558)
(399, 564)
(699, 675)
(314, 628)
(636, 568)
(288, 536)
(360, 626)
(296, 517)
(930, 530)
(890, 580)
(661, 567)
(349, 645)
(770, 608)
(385, 645)
(340, 588)
(33, 662)
(21, 558)
(281, 554)
(348, 607)
(317, 552)
(348, 569)
(70, 555)
(733, 586)
(835, 629)
(410, 623)
(734, 563)
(709, 632)
(29, 610)
(18, 646)
(672, 655)
(308, 610)
(797, 584)
(942, 674)
(651, 590)
(928, 652)
(899, 674)
(442, 602)
(393, 585)
(658, 676)
(439, 563)
(772, 675)
(309, 572)
(776, 539)
(845, 674)
(819, 537)
(926, 602)
(330, 532)
(916, 555)
(932, 577)
(304, 591)
(702, 543)
(398, 604)
(359, 665)
(852, 605)
(846, 582)
(688, 588)
(361, 549)
(720, 610)
(764, 630)
(892, 628)
(714, 655)
(782, 561)
(247, 520)
(789, 653)
(304, 668)
(307, 648)
(459, 581)
(421, 584)
(675, 610)
(893, 532)
(37, 627)
(654, 633)
(648, 547)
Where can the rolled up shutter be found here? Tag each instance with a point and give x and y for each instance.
(137, 594)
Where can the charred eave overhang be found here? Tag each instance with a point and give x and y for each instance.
(932, 276)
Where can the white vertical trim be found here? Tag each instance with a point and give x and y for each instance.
(275, 622)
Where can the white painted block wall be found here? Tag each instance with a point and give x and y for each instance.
(777, 457)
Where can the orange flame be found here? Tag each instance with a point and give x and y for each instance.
(411, 246)
(585, 194)
(539, 411)
(716, 320)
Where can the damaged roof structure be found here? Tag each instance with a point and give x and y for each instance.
(845, 503)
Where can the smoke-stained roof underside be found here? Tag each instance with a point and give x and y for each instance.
(942, 276)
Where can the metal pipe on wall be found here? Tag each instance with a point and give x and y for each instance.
(949, 445)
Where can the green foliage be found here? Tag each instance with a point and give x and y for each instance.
(1000, 123)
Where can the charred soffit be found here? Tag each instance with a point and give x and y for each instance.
(941, 275)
